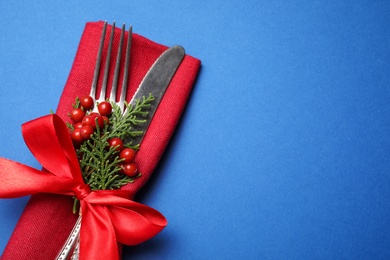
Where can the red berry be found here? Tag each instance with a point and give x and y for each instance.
(77, 114)
(87, 120)
(130, 169)
(105, 108)
(116, 143)
(92, 119)
(99, 121)
(78, 125)
(127, 154)
(86, 132)
(76, 137)
(106, 120)
(86, 102)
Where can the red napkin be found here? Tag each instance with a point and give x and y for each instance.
(48, 219)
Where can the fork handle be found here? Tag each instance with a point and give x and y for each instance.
(76, 251)
(70, 242)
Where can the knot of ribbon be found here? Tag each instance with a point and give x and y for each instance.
(82, 191)
(109, 217)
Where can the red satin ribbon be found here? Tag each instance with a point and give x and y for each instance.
(109, 216)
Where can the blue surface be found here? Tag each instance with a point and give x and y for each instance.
(283, 150)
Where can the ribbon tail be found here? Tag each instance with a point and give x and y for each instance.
(133, 222)
(137, 224)
(19, 180)
(122, 221)
(97, 235)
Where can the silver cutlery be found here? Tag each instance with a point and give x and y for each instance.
(154, 83)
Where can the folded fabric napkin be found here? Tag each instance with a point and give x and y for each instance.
(48, 219)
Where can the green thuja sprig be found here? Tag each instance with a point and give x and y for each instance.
(123, 126)
(100, 163)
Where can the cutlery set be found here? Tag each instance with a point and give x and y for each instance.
(154, 83)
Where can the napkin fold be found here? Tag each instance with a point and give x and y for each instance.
(48, 219)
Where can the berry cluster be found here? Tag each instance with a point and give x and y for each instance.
(87, 123)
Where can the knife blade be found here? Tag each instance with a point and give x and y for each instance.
(155, 83)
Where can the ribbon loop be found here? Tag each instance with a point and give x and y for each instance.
(103, 211)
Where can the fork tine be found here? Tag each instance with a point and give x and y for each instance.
(117, 66)
(122, 98)
(97, 65)
(102, 96)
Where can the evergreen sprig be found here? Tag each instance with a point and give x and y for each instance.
(100, 163)
(123, 126)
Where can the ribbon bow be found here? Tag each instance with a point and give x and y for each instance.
(109, 216)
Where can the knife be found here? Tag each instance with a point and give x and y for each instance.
(155, 83)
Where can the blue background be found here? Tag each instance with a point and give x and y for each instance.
(283, 149)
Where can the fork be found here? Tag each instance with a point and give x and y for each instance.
(113, 93)
(72, 243)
